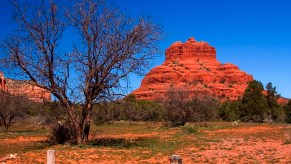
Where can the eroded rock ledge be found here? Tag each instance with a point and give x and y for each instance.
(193, 65)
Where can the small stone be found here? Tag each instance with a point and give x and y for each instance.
(175, 159)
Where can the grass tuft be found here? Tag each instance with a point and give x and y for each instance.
(287, 142)
(190, 129)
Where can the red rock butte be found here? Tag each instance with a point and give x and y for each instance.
(24, 88)
(193, 66)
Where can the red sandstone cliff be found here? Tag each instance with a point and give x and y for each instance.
(193, 65)
(3, 86)
(24, 88)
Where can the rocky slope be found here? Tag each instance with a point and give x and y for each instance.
(193, 65)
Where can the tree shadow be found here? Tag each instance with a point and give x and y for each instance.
(119, 142)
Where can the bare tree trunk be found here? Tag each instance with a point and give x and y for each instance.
(86, 131)
(112, 46)
(86, 122)
(77, 132)
(6, 128)
(75, 125)
(80, 125)
(82, 130)
(79, 136)
(5, 124)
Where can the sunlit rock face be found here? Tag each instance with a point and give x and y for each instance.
(3, 86)
(193, 66)
(24, 88)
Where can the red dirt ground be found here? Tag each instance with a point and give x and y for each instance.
(259, 144)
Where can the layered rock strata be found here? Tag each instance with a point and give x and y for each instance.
(3, 86)
(24, 88)
(193, 66)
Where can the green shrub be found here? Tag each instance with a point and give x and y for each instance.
(190, 129)
(105, 113)
(278, 114)
(52, 112)
(129, 108)
(288, 112)
(228, 111)
(60, 134)
(34, 109)
(149, 110)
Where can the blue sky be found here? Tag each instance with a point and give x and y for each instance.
(253, 34)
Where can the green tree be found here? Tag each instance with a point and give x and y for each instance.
(254, 106)
(106, 112)
(288, 112)
(150, 110)
(229, 110)
(272, 96)
(131, 110)
(272, 99)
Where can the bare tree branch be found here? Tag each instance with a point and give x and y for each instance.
(109, 47)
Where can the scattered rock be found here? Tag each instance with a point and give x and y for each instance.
(8, 157)
(175, 159)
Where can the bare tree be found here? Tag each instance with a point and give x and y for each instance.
(11, 107)
(182, 105)
(177, 106)
(205, 107)
(108, 47)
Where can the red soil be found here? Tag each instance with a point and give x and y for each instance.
(254, 144)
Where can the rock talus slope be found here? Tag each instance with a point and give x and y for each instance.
(193, 66)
